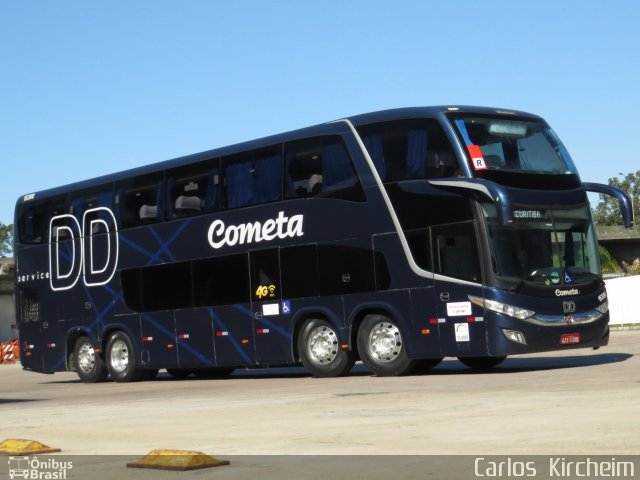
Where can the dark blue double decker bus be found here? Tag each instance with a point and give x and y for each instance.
(397, 238)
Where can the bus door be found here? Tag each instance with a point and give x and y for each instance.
(458, 274)
(271, 314)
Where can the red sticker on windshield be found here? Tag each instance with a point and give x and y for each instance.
(477, 160)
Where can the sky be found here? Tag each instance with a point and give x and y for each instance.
(91, 88)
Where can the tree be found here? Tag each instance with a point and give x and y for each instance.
(6, 239)
(607, 212)
(608, 263)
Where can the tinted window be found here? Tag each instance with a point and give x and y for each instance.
(221, 280)
(166, 287)
(159, 287)
(138, 201)
(455, 252)
(33, 221)
(89, 200)
(193, 190)
(252, 177)
(345, 269)
(265, 275)
(132, 288)
(418, 241)
(413, 149)
(299, 271)
(321, 166)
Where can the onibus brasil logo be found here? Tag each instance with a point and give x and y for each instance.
(35, 468)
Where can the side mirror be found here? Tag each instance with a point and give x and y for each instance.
(626, 208)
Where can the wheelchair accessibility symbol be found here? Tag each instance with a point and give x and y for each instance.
(567, 277)
(285, 307)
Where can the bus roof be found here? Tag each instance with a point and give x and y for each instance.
(324, 128)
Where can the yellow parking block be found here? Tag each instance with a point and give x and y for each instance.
(178, 460)
(15, 446)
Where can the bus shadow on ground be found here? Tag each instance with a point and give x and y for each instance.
(17, 400)
(449, 366)
(532, 364)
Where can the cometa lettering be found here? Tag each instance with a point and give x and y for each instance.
(566, 293)
(281, 227)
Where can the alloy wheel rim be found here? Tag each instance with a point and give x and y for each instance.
(119, 358)
(385, 342)
(323, 345)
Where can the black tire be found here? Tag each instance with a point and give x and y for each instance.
(481, 363)
(320, 350)
(381, 347)
(424, 365)
(121, 359)
(88, 363)
(211, 373)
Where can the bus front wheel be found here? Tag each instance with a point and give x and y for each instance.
(121, 359)
(321, 352)
(88, 363)
(481, 363)
(381, 347)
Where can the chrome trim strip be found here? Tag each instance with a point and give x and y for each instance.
(577, 318)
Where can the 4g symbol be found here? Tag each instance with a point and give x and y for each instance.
(265, 291)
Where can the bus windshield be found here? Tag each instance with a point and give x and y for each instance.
(513, 145)
(548, 247)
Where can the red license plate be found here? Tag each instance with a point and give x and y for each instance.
(569, 338)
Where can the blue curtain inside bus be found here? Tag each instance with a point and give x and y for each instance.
(373, 144)
(337, 171)
(211, 196)
(267, 175)
(239, 184)
(416, 153)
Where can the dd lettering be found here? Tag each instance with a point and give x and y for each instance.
(90, 250)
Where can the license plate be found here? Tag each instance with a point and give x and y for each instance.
(569, 338)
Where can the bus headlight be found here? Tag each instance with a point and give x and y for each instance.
(516, 312)
(603, 307)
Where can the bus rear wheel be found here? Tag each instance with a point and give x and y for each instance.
(88, 363)
(121, 359)
(320, 350)
(381, 347)
(481, 363)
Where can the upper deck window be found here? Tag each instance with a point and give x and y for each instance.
(321, 167)
(512, 144)
(252, 177)
(409, 149)
(33, 220)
